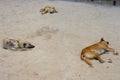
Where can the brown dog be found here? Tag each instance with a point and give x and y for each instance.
(94, 51)
(14, 44)
(48, 9)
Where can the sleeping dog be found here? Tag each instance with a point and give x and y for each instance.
(13, 44)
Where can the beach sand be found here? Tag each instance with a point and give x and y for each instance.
(59, 39)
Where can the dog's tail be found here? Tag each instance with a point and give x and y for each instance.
(82, 56)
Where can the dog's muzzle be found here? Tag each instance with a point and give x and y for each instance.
(31, 46)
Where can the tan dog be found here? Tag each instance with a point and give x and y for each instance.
(13, 44)
(94, 51)
(48, 9)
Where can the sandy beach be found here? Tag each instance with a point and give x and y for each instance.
(58, 39)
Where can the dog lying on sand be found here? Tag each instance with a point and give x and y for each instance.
(13, 44)
(48, 9)
(94, 51)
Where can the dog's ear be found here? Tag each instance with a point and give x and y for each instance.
(102, 39)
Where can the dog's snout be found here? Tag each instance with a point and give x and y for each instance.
(31, 46)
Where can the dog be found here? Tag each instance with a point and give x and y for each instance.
(13, 44)
(94, 51)
(48, 9)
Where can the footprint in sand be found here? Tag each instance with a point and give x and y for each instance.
(46, 32)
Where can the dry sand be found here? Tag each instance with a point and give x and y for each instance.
(59, 39)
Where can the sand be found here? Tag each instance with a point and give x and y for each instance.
(59, 39)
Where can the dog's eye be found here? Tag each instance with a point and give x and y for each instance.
(29, 44)
(24, 44)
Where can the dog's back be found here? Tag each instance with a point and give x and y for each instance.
(10, 44)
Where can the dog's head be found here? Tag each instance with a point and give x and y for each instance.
(102, 41)
(26, 45)
(53, 10)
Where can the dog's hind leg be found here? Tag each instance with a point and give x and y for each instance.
(87, 60)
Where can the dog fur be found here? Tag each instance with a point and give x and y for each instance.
(48, 9)
(94, 51)
(13, 44)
